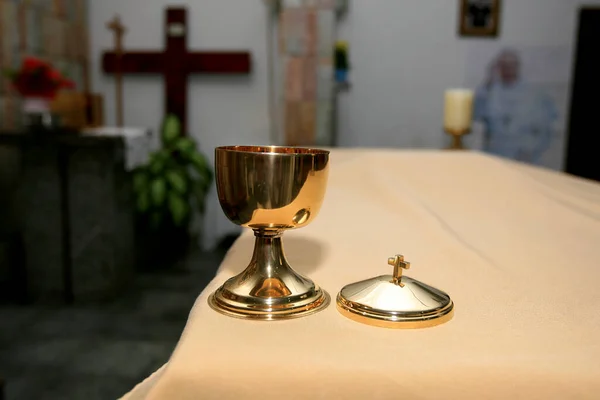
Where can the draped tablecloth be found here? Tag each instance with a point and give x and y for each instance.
(516, 247)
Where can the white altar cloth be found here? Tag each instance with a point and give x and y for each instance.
(137, 141)
(516, 247)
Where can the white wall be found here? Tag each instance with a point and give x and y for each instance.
(404, 54)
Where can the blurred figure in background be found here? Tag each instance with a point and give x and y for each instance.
(519, 119)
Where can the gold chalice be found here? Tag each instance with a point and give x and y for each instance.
(270, 189)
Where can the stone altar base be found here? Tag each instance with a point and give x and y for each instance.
(75, 215)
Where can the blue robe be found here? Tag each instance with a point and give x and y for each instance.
(518, 120)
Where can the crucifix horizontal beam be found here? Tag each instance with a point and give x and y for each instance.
(140, 62)
(175, 63)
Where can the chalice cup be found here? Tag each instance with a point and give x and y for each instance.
(270, 189)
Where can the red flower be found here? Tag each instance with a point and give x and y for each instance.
(67, 84)
(54, 75)
(31, 63)
(37, 78)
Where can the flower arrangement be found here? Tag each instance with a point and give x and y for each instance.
(37, 79)
(342, 64)
(341, 56)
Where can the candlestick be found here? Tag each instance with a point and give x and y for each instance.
(457, 135)
(458, 114)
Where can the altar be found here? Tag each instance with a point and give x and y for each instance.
(515, 246)
(72, 208)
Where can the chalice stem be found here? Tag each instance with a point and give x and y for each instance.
(268, 256)
(272, 275)
(268, 288)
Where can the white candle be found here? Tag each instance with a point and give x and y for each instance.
(458, 110)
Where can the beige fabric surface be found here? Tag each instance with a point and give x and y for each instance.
(516, 247)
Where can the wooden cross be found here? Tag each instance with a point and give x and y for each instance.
(175, 63)
(118, 30)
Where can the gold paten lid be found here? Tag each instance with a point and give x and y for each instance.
(395, 301)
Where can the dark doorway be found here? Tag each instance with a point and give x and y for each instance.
(583, 149)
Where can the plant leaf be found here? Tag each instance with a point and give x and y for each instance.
(161, 155)
(199, 161)
(199, 192)
(140, 180)
(200, 165)
(156, 219)
(179, 209)
(171, 129)
(158, 191)
(208, 176)
(143, 202)
(156, 165)
(177, 181)
(185, 145)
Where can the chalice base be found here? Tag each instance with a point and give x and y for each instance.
(268, 289)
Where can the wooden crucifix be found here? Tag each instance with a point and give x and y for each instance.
(175, 63)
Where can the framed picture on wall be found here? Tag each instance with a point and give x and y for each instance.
(479, 17)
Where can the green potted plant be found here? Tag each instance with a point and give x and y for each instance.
(168, 190)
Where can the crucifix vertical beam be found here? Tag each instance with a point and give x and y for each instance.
(118, 31)
(176, 73)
